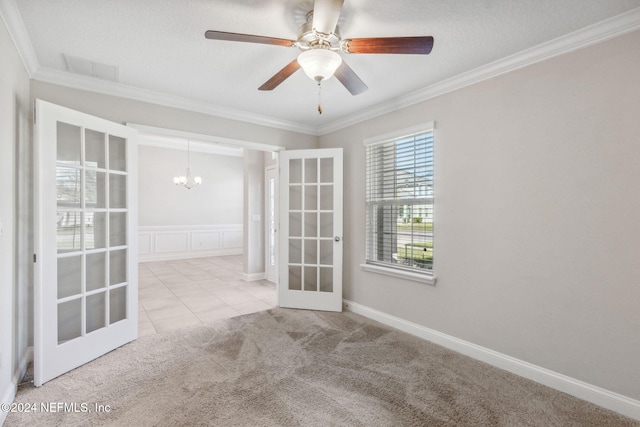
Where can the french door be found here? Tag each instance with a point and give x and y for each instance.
(310, 275)
(86, 228)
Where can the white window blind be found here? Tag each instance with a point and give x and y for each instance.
(399, 202)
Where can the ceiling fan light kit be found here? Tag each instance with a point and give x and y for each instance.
(320, 41)
(319, 64)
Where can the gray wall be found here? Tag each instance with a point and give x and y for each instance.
(15, 165)
(536, 215)
(123, 110)
(217, 201)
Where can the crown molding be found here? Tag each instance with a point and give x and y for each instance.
(10, 15)
(596, 33)
(91, 84)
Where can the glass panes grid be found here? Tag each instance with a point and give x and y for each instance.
(399, 199)
(91, 230)
(310, 263)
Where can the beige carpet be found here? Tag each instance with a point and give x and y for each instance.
(300, 368)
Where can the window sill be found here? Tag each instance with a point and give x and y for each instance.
(429, 279)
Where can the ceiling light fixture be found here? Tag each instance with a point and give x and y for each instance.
(319, 64)
(187, 181)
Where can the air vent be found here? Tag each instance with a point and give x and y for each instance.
(90, 68)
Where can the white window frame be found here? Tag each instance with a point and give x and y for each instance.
(426, 276)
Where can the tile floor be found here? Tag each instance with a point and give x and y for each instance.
(181, 293)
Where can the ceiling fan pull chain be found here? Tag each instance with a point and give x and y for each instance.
(319, 97)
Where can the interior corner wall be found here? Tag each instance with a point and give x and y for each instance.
(15, 158)
(536, 215)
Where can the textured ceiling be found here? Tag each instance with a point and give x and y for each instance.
(159, 45)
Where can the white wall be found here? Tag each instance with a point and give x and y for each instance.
(253, 221)
(178, 223)
(15, 149)
(537, 204)
(217, 201)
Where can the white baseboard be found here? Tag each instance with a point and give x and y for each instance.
(253, 276)
(10, 393)
(187, 255)
(580, 389)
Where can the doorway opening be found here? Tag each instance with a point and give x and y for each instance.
(197, 246)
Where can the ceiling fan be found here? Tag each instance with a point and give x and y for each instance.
(319, 40)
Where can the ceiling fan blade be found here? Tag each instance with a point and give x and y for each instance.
(281, 76)
(409, 45)
(350, 79)
(326, 14)
(236, 37)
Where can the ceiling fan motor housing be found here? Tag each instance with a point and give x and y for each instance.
(308, 38)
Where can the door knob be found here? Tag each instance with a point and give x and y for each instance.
(337, 238)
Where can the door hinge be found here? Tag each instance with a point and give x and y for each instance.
(34, 257)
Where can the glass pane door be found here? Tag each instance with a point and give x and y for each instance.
(92, 273)
(86, 294)
(312, 207)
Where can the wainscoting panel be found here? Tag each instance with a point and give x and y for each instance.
(205, 240)
(163, 243)
(177, 241)
(144, 243)
(232, 239)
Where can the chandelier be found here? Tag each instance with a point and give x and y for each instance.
(187, 181)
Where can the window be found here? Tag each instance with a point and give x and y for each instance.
(399, 200)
